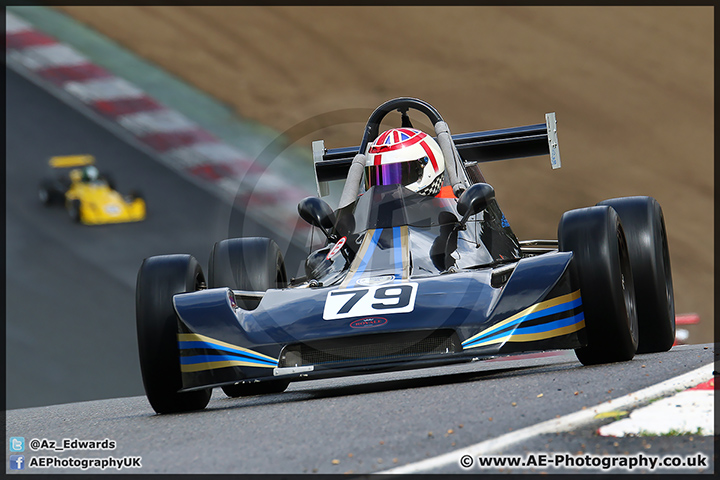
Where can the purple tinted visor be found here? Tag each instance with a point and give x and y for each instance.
(403, 173)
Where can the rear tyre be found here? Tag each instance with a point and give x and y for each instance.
(259, 388)
(49, 193)
(644, 226)
(75, 210)
(254, 264)
(109, 180)
(602, 266)
(134, 195)
(44, 195)
(160, 278)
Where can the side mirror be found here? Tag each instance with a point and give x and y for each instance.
(316, 212)
(474, 200)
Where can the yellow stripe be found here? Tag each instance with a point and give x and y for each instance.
(405, 245)
(531, 337)
(194, 337)
(197, 367)
(367, 239)
(532, 309)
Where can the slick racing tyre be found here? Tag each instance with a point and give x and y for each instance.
(644, 226)
(254, 264)
(109, 180)
(602, 266)
(50, 193)
(75, 210)
(160, 278)
(134, 195)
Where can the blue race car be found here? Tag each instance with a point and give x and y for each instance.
(406, 280)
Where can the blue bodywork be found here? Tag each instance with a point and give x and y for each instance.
(413, 290)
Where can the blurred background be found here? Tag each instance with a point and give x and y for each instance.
(632, 88)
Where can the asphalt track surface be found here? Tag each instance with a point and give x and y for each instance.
(70, 288)
(371, 423)
(71, 337)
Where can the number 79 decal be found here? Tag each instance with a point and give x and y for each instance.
(356, 302)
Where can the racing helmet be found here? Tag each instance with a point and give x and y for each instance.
(406, 156)
(90, 173)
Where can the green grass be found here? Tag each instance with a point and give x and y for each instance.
(671, 433)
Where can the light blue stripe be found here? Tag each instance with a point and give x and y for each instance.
(212, 346)
(366, 258)
(545, 327)
(195, 359)
(563, 307)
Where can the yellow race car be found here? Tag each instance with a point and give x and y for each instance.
(89, 197)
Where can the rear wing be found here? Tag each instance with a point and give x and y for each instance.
(68, 161)
(488, 146)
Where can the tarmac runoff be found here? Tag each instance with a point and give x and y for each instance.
(246, 162)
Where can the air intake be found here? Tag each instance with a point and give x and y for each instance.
(373, 348)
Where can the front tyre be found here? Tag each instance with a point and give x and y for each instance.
(601, 263)
(253, 264)
(644, 226)
(161, 277)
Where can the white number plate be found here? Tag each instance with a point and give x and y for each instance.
(358, 302)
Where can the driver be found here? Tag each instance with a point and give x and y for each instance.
(408, 157)
(90, 173)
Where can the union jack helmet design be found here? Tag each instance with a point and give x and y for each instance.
(406, 156)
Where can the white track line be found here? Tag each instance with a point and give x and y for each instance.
(562, 424)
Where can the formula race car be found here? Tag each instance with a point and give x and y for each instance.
(406, 279)
(89, 197)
